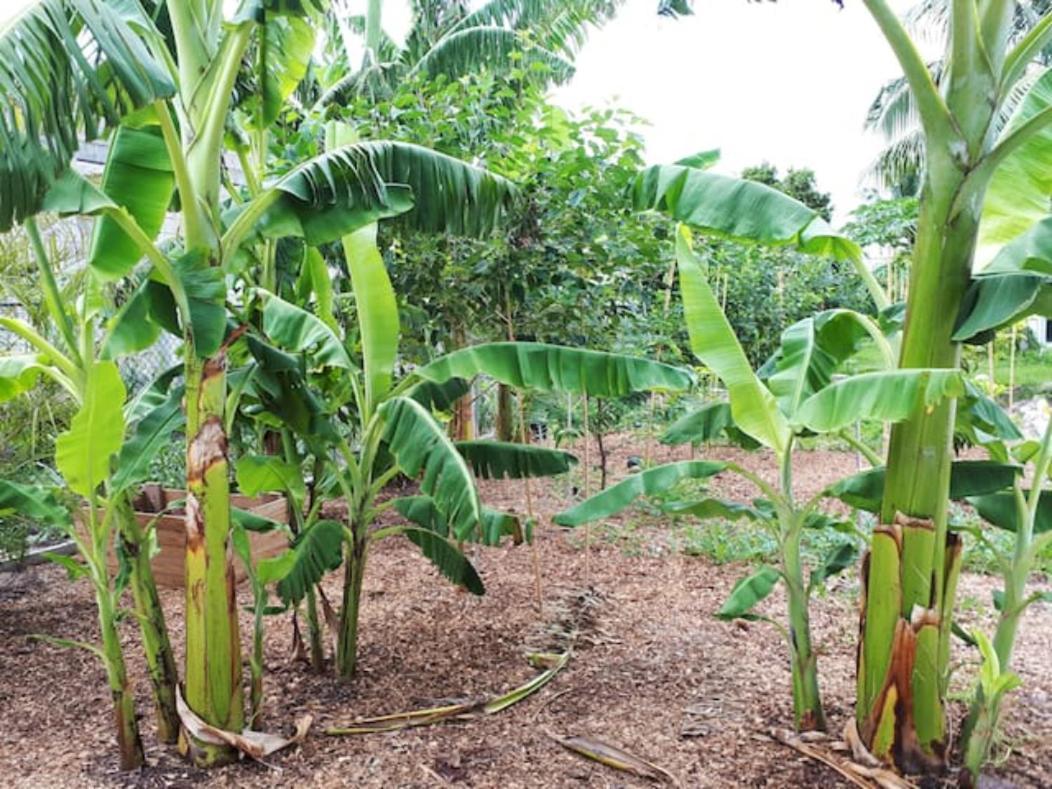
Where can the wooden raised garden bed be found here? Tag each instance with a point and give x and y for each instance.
(171, 531)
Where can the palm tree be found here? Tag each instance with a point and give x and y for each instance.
(448, 38)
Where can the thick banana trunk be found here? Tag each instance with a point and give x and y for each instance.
(213, 650)
(911, 570)
(160, 660)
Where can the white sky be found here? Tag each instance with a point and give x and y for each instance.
(786, 82)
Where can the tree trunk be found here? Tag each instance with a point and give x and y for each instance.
(505, 420)
(213, 649)
(160, 660)
(314, 635)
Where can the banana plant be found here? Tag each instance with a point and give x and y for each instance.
(178, 90)
(152, 417)
(994, 487)
(102, 457)
(795, 395)
(357, 427)
(982, 196)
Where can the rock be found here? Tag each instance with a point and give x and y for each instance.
(1032, 416)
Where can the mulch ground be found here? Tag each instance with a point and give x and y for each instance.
(652, 671)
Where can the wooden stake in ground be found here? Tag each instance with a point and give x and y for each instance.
(1011, 369)
(534, 559)
(587, 483)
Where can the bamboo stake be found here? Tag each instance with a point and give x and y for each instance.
(587, 485)
(1011, 370)
(534, 558)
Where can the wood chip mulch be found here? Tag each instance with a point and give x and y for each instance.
(652, 672)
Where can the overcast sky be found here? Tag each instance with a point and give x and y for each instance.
(786, 82)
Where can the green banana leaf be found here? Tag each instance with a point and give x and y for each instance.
(18, 374)
(151, 434)
(1017, 195)
(55, 98)
(1000, 509)
(748, 593)
(709, 508)
(968, 478)
(294, 329)
(318, 549)
(889, 396)
(811, 352)
(753, 408)
(96, 432)
(420, 445)
(840, 558)
(709, 423)
(496, 525)
(994, 302)
(439, 397)
(504, 460)
(554, 368)
(258, 474)
(314, 279)
(467, 51)
(447, 559)
(646, 483)
(377, 311)
(34, 502)
(739, 209)
(132, 329)
(345, 189)
(138, 176)
(285, 44)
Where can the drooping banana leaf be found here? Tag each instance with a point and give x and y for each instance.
(96, 432)
(132, 329)
(420, 446)
(345, 189)
(708, 508)
(554, 368)
(738, 208)
(447, 559)
(748, 593)
(55, 97)
(968, 478)
(318, 550)
(284, 45)
(646, 483)
(753, 407)
(138, 176)
(711, 422)
(889, 396)
(496, 525)
(439, 397)
(294, 329)
(504, 460)
(993, 302)
(1000, 509)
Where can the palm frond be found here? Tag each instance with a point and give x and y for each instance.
(69, 70)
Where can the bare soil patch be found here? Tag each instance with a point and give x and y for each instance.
(652, 672)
